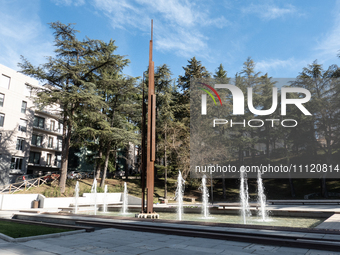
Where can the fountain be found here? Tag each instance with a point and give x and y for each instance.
(94, 190)
(244, 196)
(179, 195)
(205, 197)
(76, 190)
(261, 198)
(105, 200)
(125, 200)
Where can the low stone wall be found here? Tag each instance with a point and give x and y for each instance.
(25, 201)
(55, 202)
(15, 202)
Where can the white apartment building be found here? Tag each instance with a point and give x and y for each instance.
(30, 137)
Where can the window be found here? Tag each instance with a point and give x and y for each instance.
(37, 140)
(22, 125)
(23, 107)
(5, 81)
(27, 91)
(60, 144)
(20, 144)
(2, 119)
(52, 125)
(57, 159)
(34, 157)
(50, 142)
(16, 163)
(49, 159)
(38, 122)
(2, 99)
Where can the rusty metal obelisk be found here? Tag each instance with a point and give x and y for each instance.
(151, 135)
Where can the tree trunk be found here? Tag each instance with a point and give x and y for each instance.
(240, 155)
(267, 147)
(224, 191)
(292, 188)
(165, 169)
(107, 156)
(324, 187)
(291, 182)
(126, 163)
(99, 165)
(252, 148)
(64, 153)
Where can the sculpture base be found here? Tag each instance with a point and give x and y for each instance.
(147, 215)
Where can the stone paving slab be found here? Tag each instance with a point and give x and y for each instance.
(332, 237)
(124, 242)
(316, 252)
(131, 250)
(332, 222)
(78, 252)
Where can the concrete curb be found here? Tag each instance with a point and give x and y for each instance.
(29, 238)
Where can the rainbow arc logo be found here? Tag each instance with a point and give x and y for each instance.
(209, 93)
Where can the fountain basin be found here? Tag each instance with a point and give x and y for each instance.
(296, 222)
(297, 212)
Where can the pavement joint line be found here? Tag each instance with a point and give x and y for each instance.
(29, 238)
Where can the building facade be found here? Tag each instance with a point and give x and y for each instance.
(30, 136)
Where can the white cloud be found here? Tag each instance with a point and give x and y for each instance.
(273, 66)
(178, 23)
(22, 33)
(269, 12)
(69, 2)
(328, 46)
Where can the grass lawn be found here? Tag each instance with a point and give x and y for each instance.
(16, 230)
(274, 188)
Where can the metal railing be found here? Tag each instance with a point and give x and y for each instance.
(44, 146)
(48, 128)
(26, 185)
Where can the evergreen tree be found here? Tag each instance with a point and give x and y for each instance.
(194, 70)
(220, 73)
(245, 137)
(116, 129)
(69, 75)
(165, 117)
(323, 125)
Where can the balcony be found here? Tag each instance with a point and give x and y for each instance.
(45, 147)
(56, 164)
(49, 129)
(16, 171)
(55, 114)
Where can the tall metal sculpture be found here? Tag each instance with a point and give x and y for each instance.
(143, 165)
(151, 137)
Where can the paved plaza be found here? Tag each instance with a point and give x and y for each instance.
(124, 242)
(117, 241)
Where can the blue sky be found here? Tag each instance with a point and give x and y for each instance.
(282, 37)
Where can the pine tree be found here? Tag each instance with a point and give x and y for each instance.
(323, 125)
(220, 73)
(116, 129)
(245, 138)
(69, 75)
(194, 70)
(165, 117)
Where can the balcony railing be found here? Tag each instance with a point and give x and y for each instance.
(55, 164)
(49, 128)
(56, 114)
(44, 146)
